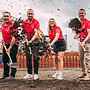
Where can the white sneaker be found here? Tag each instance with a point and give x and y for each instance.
(36, 76)
(59, 77)
(55, 75)
(28, 76)
(86, 78)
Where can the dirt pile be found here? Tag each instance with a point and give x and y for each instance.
(44, 85)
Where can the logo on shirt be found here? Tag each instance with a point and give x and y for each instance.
(32, 25)
(83, 26)
(7, 29)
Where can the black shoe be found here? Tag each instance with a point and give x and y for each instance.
(4, 77)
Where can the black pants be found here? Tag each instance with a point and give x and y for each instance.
(60, 46)
(29, 62)
(13, 54)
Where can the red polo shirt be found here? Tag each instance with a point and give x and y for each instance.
(30, 27)
(85, 26)
(6, 32)
(52, 33)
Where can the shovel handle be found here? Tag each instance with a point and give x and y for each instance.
(82, 45)
(7, 52)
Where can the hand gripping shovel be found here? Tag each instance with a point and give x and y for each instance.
(10, 64)
(82, 46)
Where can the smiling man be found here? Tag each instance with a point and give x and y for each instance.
(31, 25)
(84, 39)
(11, 45)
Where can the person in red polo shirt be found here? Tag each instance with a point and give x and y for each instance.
(31, 25)
(57, 40)
(84, 39)
(11, 46)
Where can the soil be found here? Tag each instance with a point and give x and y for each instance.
(45, 82)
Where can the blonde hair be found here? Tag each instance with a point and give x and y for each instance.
(49, 27)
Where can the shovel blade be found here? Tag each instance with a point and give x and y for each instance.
(13, 65)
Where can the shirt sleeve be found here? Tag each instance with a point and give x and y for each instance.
(58, 30)
(88, 25)
(37, 25)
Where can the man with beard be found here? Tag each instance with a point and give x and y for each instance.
(84, 39)
(11, 44)
(31, 25)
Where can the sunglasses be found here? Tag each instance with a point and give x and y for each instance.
(81, 13)
(51, 21)
(30, 13)
(5, 16)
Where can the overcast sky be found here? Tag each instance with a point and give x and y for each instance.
(61, 10)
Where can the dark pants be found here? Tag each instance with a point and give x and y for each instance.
(60, 46)
(29, 62)
(13, 54)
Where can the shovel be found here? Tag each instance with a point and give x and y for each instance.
(82, 46)
(10, 64)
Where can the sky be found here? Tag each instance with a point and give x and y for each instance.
(61, 10)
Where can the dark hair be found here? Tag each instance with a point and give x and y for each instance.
(30, 10)
(7, 12)
(81, 9)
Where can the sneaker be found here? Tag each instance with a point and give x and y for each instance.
(28, 76)
(11, 77)
(83, 75)
(0, 77)
(36, 76)
(88, 71)
(59, 77)
(55, 75)
(4, 77)
(7, 78)
(86, 78)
